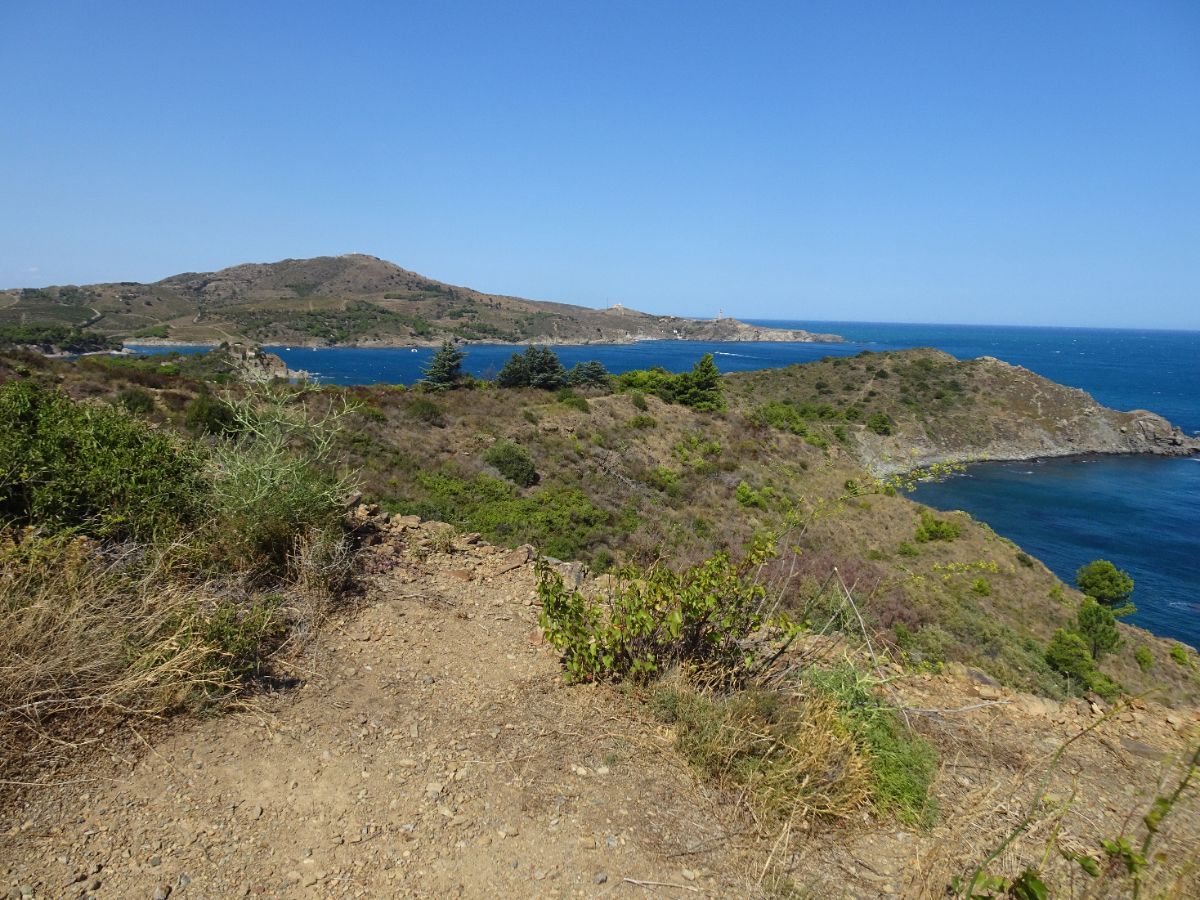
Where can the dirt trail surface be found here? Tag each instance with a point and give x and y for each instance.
(433, 750)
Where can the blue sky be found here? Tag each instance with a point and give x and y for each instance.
(1025, 163)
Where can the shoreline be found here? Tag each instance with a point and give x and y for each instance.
(966, 461)
(537, 342)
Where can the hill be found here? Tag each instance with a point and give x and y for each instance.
(916, 408)
(351, 299)
(497, 676)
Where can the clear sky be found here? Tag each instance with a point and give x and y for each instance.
(1013, 162)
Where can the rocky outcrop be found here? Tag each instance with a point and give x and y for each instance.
(1016, 414)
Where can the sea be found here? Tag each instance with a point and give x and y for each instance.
(1142, 513)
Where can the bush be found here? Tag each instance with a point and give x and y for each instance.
(426, 412)
(66, 465)
(700, 388)
(933, 529)
(655, 618)
(981, 587)
(1144, 658)
(907, 549)
(642, 422)
(880, 423)
(1180, 655)
(207, 414)
(276, 484)
(638, 399)
(135, 400)
(1068, 654)
(513, 462)
(568, 397)
(559, 521)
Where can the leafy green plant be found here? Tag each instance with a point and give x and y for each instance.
(206, 414)
(930, 529)
(1180, 655)
(537, 367)
(513, 462)
(135, 400)
(1144, 658)
(426, 412)
(880, 423)
(655, 618)
(982, 587)
(642, 422)
(1068, 653)
(68, 465)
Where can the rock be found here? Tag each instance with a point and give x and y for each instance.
(1145, 751)
(600, 878)
(162, 892)
(513, 560)
(987, 692)
(460, 574)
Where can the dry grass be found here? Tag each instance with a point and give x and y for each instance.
(787, 758)
(92, 635)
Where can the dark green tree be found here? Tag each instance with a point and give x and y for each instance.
(1106, 583)
(445, 369)
(1098, 627)
(588, 374)
(701, 387)
(537, 367)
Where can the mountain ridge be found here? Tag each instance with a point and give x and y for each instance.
(354, 299)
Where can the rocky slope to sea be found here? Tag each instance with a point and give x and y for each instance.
(353, 299)
(939, 409)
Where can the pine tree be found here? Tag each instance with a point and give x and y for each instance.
(537, 367)
(1109, 585)
(445, 369)
(1098, 626)
(701, 387)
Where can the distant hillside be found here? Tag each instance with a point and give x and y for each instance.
(351, 299)
(907, 409)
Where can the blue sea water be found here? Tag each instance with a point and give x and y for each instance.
(1143, 513)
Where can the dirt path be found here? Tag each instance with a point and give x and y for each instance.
(433, 750)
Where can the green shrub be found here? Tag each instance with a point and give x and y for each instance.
(154, 331)
(207, 414)
(136, 400)
(665, 480)
(276, 483)
(1025, 559)
(1180, 655)
(72, 465)
(880, 423)
(567, 397)
(559, 521)
(981, 587)
(700, 388)
(655, 618)
(513, 462)
(1068, 654)
(907, 549)
(933, 529)
(1144, 658)
(426, 412)
(638, 399)
(642, 422)
(750, 498)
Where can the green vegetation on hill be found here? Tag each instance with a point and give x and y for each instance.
(63, 338)
(143, 571)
